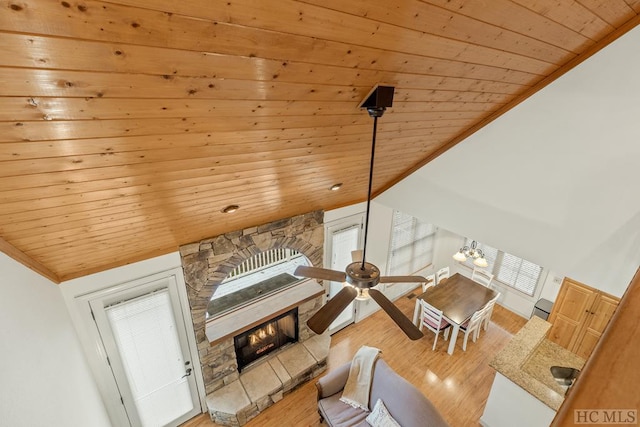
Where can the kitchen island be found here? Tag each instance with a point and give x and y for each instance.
(524, 392)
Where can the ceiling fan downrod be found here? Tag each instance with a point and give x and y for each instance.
(361, 275)
(374, 112)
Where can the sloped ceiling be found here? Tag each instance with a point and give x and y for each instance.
(127, 126)
(552, 180)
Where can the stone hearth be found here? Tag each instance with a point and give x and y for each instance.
(232, 398)
(266, 383)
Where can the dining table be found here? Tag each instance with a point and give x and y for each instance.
(458, 297)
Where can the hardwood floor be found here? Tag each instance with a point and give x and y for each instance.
(458, 385)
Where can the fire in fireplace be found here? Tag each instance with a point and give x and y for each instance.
(266, 337)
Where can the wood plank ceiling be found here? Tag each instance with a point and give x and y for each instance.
(127, 125)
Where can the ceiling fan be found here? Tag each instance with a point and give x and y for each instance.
(361, 276)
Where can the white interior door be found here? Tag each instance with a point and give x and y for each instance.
(146, 346)
(343, 238)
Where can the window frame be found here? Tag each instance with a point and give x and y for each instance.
(430, 239)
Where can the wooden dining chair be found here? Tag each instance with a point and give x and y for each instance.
(433, 319)
(482, 276)
(488, 311)
(431, 281)
(472, 326)
(442, 274)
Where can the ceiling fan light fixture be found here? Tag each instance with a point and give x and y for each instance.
(363, 295)
(230, 209)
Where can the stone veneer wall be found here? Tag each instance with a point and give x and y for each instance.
(207, 263)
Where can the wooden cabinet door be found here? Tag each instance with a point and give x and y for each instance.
(570, 312)
(597, 319)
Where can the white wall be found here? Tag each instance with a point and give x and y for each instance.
(447, 243)
(45, 380)
(554, 180)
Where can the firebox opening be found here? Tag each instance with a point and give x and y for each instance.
(266, 337)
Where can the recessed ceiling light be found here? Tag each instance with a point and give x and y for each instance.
(231, 209)
(336, 187)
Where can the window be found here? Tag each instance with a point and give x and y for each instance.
(411, 244)
(519, 273)
(508, 269)
(255, 278)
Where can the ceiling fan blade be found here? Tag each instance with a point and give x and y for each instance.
(320, 273)
(396, 315)
(402, 279)
(320, 321)
(356, 256)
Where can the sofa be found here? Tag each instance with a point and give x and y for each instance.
(404, 402)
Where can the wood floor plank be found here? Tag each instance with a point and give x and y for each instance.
(458, 385)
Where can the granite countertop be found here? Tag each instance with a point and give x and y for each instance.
(527, 360)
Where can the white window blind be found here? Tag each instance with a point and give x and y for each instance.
(343, 242)
(518, 273)
(412, 243)
(509, 269)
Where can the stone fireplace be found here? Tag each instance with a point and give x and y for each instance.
(237, 393)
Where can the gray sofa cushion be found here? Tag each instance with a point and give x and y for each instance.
(340, 414)
(406, 404)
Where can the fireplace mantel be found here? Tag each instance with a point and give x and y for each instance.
(247, 317)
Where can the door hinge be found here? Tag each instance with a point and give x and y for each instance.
(108, 361)
(121, 400)
(93, 315)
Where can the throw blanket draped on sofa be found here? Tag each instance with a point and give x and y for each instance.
(358, 386)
